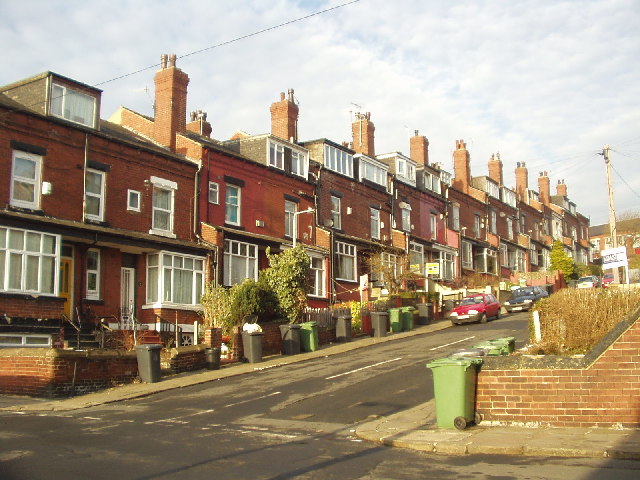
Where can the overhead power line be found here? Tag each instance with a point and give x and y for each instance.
(237, 39)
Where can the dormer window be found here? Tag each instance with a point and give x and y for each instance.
(373, 171)
(73, 105)
(338, 160)
(406, 169)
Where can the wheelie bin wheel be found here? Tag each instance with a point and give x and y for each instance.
(460, 423)
(477, 418)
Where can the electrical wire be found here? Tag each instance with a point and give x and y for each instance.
(237, 39)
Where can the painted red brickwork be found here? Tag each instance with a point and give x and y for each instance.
(605, 393)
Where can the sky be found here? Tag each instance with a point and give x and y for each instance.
(545, 82)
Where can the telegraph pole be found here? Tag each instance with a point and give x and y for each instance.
(612, 211)
(613, 231)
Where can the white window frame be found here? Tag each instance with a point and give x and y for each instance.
(466, 254)
(504, 255)
(416, 256)
(493, 221)
(338, 160)
(25, 340)
(372, 172)
(318, 274)
(433, 224)
(509, 228)
(299, 163)
(133, 206)
(405, 215)
(455, 217)
(166, 186)
(100, 196)
(35, 183)
(374, 216)
(92, 275)
(477, 225)
(246, 253)
(62, 101)
(336, 212)
(447, 265)
(214, 193)
(35, 255)
(276, 155)
(230, 207)
(168, 271)
(346, 251)
(290, 209)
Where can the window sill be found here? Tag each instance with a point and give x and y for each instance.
(162, 233)
(173, 306)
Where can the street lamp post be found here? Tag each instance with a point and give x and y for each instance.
(295, 223)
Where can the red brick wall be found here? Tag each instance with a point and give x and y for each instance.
(603, 393)
(186, 359)
(54, 373)
(14, 305)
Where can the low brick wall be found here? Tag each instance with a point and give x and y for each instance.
(51, 372)
(600, 389)
(187, 359)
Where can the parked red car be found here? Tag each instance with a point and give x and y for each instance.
(607, 279)
(475, 308)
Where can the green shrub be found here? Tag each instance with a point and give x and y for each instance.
(288, 278)
(252, 298)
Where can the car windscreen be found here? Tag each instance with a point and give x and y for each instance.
(521, 292)
(471, 301)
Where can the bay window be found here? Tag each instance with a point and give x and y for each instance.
(174, 278)
(28, 261)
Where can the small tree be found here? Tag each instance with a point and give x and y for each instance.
(560, 260)
(394, 271)
(288, 277)
(216, 302)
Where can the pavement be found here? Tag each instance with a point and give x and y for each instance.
(415, 428)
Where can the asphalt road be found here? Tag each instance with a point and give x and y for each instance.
(294, 421)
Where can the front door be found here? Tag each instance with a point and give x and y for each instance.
(66, 285)
(127, 297)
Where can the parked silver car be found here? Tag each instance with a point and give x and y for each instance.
(522, 299)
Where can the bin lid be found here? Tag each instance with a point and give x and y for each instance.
(453, 362)
(309, 324)
(408, 309)
(394, 309)
(504, 340)
(149, 346)
(469, 352)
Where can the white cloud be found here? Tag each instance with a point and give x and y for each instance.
(542, 81)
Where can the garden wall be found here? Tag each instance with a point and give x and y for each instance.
(51, 372)
(600, 389)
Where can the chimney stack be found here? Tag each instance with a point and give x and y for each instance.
(544, 188)
(284, 117)
(495, 169)
(419, 149)
(561, 188)
(522, 182)
(363, 134)
(461, 167)
(170, 103)
(199, 124)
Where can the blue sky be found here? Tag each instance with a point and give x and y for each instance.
(546, 82)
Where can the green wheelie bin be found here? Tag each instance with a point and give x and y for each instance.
(407, 318)
(454, 386)
(395, 319)
(309, 336)
(508, 344)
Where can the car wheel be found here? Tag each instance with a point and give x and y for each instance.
(455, 324)
(483, 318)
(498, 314)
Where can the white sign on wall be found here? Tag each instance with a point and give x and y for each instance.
(614, 258)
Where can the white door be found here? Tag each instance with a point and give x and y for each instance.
(127, 297)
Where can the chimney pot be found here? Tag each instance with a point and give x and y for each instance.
(163, 61)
